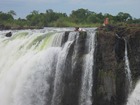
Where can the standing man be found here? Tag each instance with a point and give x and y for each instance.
(106, 22)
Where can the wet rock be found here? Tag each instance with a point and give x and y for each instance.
(119, 48)
(105, 70)
(9, 34)
(65, 38)
(134, 53)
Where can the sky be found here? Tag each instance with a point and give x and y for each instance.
(25, 7)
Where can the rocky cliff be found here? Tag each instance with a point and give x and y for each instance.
(111, 83)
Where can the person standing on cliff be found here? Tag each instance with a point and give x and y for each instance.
(106, 21)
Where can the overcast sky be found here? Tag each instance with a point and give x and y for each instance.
(24, 7)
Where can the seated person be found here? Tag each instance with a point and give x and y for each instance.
(78, 29)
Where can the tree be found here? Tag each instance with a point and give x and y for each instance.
(33, 18)
(12, 12)
(123, 17)
(80, 15)
(5, 17)
(51, 16)
(93, 18)
(49, 11)
(35, 12)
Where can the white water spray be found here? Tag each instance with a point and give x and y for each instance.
(27, 67)
(127, 67)
(31, 67)
(87, 79)
(134, 98)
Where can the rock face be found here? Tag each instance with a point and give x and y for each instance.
(107, 80)
(9, 34)
(119, 48)
(110, 83)
(134, 53)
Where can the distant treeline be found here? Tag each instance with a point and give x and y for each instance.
(80, 17)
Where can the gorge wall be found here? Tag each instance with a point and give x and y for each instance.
(111, 82)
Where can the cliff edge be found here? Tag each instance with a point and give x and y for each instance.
(111, 85)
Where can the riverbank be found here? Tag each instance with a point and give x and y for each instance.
(4, 27)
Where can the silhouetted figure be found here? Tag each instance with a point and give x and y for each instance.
(9, 34)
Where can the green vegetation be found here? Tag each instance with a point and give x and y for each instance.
(81, 17)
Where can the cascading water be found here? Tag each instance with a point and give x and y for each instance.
(134, 98)
(127, 68)
(40, 67)
(26, 68)
(87, 79)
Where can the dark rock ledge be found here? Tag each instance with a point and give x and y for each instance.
(111, 84)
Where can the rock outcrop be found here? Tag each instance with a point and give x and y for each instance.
(9, 34)
(111, 83)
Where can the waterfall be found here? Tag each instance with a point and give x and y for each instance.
(127, 68)
(87, 79)
(60, 71)
(27, 68)
(134, 97)
(47, 67)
